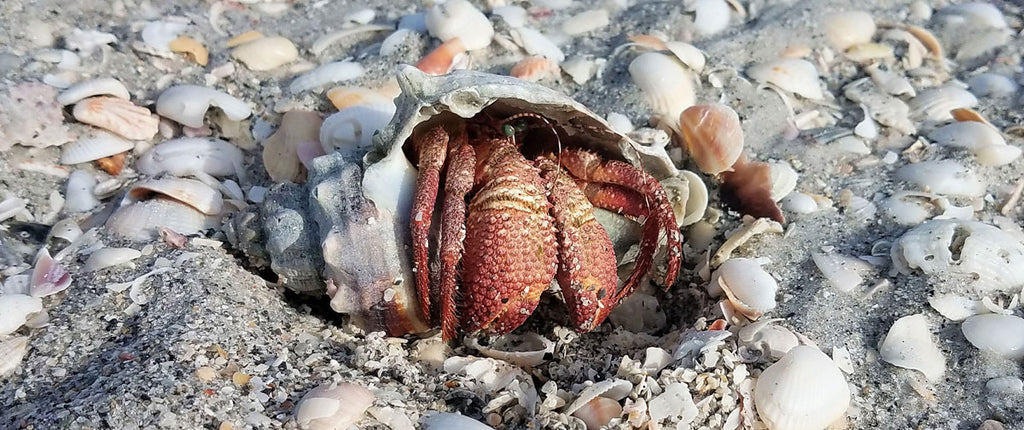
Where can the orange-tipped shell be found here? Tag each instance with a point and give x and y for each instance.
(534, 69)
(112, 164)
(648, 41)
(713, 135)
(440, 60)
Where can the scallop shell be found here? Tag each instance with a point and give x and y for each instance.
(333, 406)
(936, 103)
(330, 73)
(12, 351)
(790, 74)
(459, 18)
(189, 191)
(265, 53)
(946, 177)
(91, 88)
(119, 116)
(93, 148)
(142, 221)
(190, 155)
(846, 29)
(666, 85)
(15, 309)
(1002, 335)
(748, 286)
(187, 104)
(803, 390)
(109, 257)
(909, 344)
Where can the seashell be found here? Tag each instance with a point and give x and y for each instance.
(459, 18)
(513, 15)
(614, 388)
(749, 182)
(910, 207)
(656, 359)
(528, 350)
(688, 196)
(748, 286)
(329, 73)
(582, 69)
(361, 16)
(243, 38)
(535, 68)
(586, 21)
(666, 84)
(325, 41)
(109, 257)
(48, 276)
(66, 229)
(946, 177)
(187, 104)
(119, 116)
(394, 42)
(955, 307)
(991, 85)
(997, 155)
(157, 35)
(690, 55)
(12, 351)
(598, 412)
(193, 49)
(979, 13)
(15, 309)
(886, 109)
(842, 272)
(191, 155)
(870, 52)
(78, 195)
(619, 122)
(91, 88)
(141, 221)
(799, 203)
(443, 59)
(352, 128)
(978, 137)
(94, 147)
(803, 390)
(536, 43)
(112, 164)
(890, 82)
(936, 103)
(452, 421)
(909, 345)
(846, 29)
(790, 74)
(1002, 335)
(343, 97)
(710, 16)
(954, 249)
(280, 150)
(675, 402)
(769, 340)
(333, 406)
(265, 53)
(189, 191)
(713, 136)
(783, 178)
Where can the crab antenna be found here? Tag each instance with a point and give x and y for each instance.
(510, 130)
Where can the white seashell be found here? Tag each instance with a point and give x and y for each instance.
(690, 55)
(771, 341)
(799, 203)
(991, 84)
(666, 84)
(1005, 385)
(78, 196)
(688, 196)
(867, 128)
(513, 15)
(582, 69)
(452, 421)
(984, 255)
(967, 134)
(884, 108)
(15, 309)
(909, 344)
(910, 207)
(329, 73)
(955, 307)
(281, 156)
(142, 221)
(598, 412)
(333, 407)
(997, 155)
(527, 350)
(675, 402)
(615, 389)
(109, 257)
(946, 177)
(266, 53)
(187, 104)
(361, 16)
(586, 21)
(747, 285)
(352, 128)
(999, 334)
(842, 272)
(189, 191)
(783, 178)
(66, 229)
(890, 82)
(846, 29)
(394, 42)
(94, 147)
(157, 35)
(803, 390)
(119, 116)
(536, 43)
(656, 359)
(48, 276)
(191, 155)
(12, 351)
(459, 18)
(710, 16)
(620, 122)
(325, 41)
(935, 103)
(982, 13)
(93, 87)
(790, 74)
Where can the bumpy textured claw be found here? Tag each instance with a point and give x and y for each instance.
(432, 147)
(458, 183)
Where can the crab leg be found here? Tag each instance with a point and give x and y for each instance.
(590, 167)
(458, 182)
(587, 268)
(432, 147)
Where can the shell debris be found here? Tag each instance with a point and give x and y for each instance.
(460, 19)
(191, 48)
(187, 104)
(266, 53)
(119, 116)
(909, 344)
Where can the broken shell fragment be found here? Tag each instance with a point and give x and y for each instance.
(78, 194)
(748, 286)
(536, 43)
(343, 97)
(528, 350)
(909, 344)
(187, 104)
(666, 85)
(444, 58)
(112, 164)
(333, 407)
(842, 272)
(12, 351)
(243, 38)
(190, 155)
(995, 333)
(461, 19)
(586, 21)
(94, 147)
(194, 193)
(329, 73)
(713, 136)
(690, 55)
(15, 310)
(936, 103)
(109, 257)
(191, 48)
(266, 53)
(92, 88)
(598, 412)
(802, 391)
(142, 221)
(615, 389)
(795, 75)
(846, 29)
(119, 116)
(352, 128)
(535, 68)
(946, 177)
(280, 150)
(48, 276)
(688, 195)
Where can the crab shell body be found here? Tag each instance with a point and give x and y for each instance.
(362, 199)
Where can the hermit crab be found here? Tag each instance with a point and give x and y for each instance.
(476, 197)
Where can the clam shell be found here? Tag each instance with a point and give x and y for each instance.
(280, 150)
(799, 203)
(12, 351)
(91, 88)
(748, 286)
(531, 350)
(784, 179)
(846, 29)
(15, 309)
(909, 344)
(333, 407)
(936, 103)
(119, 116)
(94, 147)
(189, 191)
(1002, 335)
(946, 177)
(803, 390)
(790, 74)
(459, 18)
(190, 155)
(266, 53)
(109, 257)
(615, 389)
(78, 195)
(666, 85)
(598, 412)
(713, 136)
(142, 221)
(329, 73)
(688, 195)
(690, 55)
(187, 104)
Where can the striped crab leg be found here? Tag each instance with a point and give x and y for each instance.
(432, 147)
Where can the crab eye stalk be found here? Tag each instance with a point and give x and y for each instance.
(508, 130)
